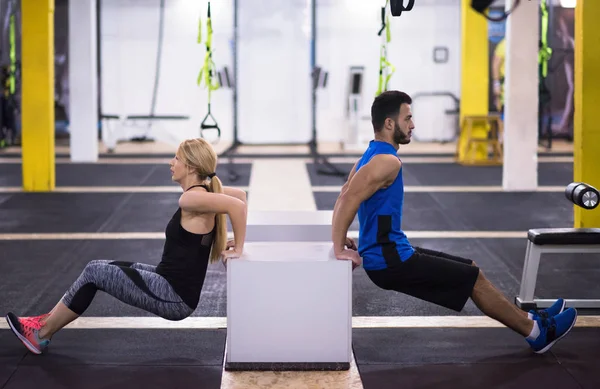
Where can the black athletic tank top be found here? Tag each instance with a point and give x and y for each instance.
(185, 259)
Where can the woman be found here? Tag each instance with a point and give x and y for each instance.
(195, 236)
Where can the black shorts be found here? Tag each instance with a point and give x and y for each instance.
(429, 275)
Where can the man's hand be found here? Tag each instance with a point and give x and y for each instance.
(351, 244)
(350, 255)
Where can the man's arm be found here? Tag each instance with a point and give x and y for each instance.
(344, 188)
(380, 172)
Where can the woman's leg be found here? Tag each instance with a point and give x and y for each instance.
(135, 265)
(139, 288)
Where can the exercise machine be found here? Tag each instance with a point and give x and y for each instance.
(559, 240)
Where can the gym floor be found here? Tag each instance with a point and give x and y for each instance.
(118, 209)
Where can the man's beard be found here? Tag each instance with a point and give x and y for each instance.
(399, 137)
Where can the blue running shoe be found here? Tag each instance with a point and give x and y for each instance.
(551, 311)
(552, 330)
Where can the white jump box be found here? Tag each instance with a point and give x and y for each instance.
(289, 307)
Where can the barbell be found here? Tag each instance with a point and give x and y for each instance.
(582, 195)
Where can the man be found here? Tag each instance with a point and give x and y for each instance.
(375, 190)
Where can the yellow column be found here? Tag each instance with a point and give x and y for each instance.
(474, 75)
(587, 100)
(37, 55)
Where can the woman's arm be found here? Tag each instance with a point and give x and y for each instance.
(235, 192)
(206, 202)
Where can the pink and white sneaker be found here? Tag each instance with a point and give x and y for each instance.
(27, 329)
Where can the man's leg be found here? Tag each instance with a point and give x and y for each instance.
(495, 305)
(450, 284)
(553, 310)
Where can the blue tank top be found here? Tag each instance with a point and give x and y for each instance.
(382, 243)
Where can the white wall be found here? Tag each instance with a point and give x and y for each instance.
(348, 37)
(274, 64)
(129, 37)
(274, 70)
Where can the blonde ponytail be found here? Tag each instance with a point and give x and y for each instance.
(199, 155)
(220, 238)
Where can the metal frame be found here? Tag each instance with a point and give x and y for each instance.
(533, 254)
(321, 161)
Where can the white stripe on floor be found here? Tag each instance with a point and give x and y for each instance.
(152, 322)
(278, 185)
(161, 235)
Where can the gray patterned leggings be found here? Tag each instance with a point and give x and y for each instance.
(135, 284)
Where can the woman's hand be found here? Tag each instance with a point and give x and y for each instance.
(230, 244)
(230, 252)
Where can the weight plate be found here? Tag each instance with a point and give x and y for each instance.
(589, 199)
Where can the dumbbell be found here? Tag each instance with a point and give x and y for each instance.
(582, 195)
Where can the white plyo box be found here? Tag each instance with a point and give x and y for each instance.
(289, 303)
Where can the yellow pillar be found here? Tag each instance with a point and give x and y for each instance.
(474, 74)
(587, 100)
(37, 55)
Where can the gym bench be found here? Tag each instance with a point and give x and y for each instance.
(554, 240)
(559, 240)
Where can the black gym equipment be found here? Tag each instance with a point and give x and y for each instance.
(482, 5)
(582, 195)
(541, 241)
(319, 80)
(398, 7)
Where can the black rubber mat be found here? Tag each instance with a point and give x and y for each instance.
(530, 374)
(41, 271)
(512, 211)
(98, 212)
(10, 357)
(106, 174)
(150, 212)
(123, 358)
(472, 358)
(446, 174)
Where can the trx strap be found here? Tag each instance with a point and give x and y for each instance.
(13, 56)
(545, 51)
(208, 74)
(384, 64)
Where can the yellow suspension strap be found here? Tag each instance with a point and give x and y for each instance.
(384, 65)
(545, 52)
(13, 55)
(208, 75)
(8, 87)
